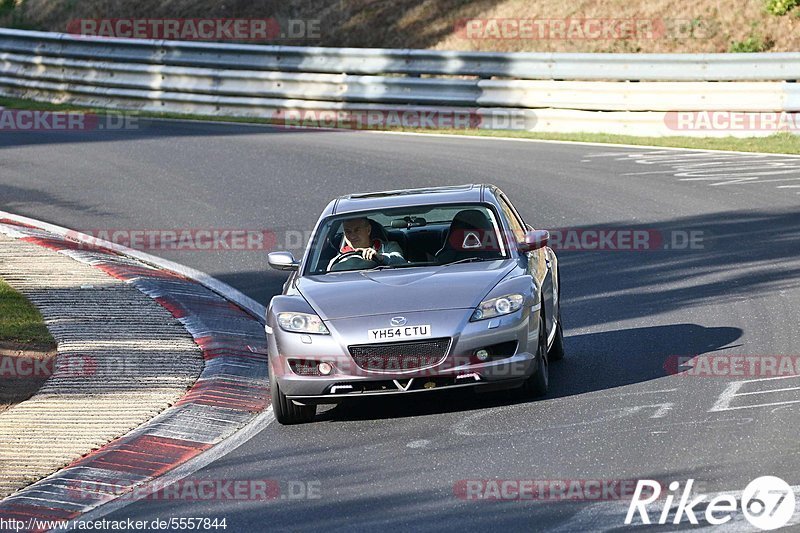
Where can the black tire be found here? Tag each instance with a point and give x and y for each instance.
(556, 352)
(286, 412)
(539, 383)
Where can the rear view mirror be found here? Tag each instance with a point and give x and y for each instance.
(534, 240)
(282, 261)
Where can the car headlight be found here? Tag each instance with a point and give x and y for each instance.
(502, 305)
(302, 323)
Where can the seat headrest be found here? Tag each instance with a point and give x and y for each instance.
(378, 231)
(471, 230)
(471, 219)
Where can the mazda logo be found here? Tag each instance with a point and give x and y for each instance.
(398, 321)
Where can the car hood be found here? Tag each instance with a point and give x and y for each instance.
(403, 290)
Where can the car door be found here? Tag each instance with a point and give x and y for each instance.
(539, 264)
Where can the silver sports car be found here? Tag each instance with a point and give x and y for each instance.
(409, 291)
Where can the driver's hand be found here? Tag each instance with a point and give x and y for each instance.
(370, 254)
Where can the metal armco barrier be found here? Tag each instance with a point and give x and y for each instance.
(634, 94)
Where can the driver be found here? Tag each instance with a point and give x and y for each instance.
(358, 238)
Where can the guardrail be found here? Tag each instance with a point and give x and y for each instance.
(539, 92)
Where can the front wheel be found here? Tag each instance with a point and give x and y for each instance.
(539, 383)
(286, 412)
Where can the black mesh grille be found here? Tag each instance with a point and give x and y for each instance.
(400, 356)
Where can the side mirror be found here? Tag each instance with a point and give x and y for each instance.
(534, 240)
(282, 261)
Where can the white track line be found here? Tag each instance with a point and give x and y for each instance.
(229, 293)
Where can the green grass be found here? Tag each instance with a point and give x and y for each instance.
(20, 321)
(780, 7)
(779, 143)
(754, 43)
(751, 45)
(11, 15)
(20, 103)
(6, 7)
(782, 143)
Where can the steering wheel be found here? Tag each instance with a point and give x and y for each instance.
(349, 255)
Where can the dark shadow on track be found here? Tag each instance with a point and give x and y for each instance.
(261, 286)
(594, 362)
(11, 196)
(145, 128)
(616, 358)
(740, 256)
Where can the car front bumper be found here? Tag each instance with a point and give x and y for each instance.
(456, 370)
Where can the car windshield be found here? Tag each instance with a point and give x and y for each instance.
(406, 237)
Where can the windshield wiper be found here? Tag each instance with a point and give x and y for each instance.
(429, 263)
(469, 260)
(401, 265)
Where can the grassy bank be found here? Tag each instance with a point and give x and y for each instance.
(674, 26)
(25, 345)
(20, 322)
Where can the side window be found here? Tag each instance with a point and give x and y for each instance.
(513, 220)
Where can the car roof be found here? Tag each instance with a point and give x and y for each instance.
(408, 198)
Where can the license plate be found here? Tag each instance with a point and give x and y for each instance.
(400, 333)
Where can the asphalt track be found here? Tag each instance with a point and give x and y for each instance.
(614, 411)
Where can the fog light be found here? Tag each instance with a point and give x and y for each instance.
(325, 368)
(482, 355)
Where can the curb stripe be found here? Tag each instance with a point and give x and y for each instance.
(231, 391)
